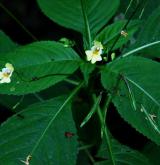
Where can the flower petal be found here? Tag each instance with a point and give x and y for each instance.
(5, 80)
(1, 75)
(9, 66)
(5, 70)
(89, 54)
(98, 58)
(93, 60)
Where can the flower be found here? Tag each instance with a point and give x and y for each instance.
(6, 73)
(94, 54)
(123, 33)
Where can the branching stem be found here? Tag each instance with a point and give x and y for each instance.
(106, 133)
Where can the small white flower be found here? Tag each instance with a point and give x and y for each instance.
(6, 73)
(123, 33)
(94, 54)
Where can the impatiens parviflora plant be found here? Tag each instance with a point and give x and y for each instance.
(61, 92)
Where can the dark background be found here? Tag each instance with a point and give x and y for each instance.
(28, 13)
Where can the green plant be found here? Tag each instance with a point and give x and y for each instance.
(109, 69)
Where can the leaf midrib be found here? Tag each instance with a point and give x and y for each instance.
(143, 90)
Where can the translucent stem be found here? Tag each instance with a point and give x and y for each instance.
(106, 133)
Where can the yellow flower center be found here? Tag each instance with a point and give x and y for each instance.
(96, 51)
(6, 74)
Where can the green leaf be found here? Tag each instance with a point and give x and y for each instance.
(38, 66)
(69, 13)
(6, 44)
(109, 34)
(122, 154)
(142, 77)
(151, 6)
(18, 137)
(144, 10)
(17, 103)
(87, 69)
(150, 33)
(13, 102)
(143, 47)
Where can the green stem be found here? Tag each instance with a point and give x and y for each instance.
(93, 109)
(90, 156)
(105, 108)
(106, 133)
(18, 103)
(84, 147)
(140, 48)
(87, 27)
(18, 22)
(38, 97)
(125, 26)
(72, 81)
(152, 122)
(128, 7)
(88, 153)
(109, 146)
(54, 117)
